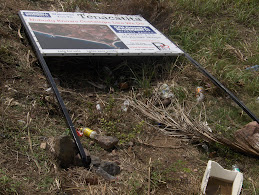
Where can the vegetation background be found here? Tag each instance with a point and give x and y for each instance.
(220, 34)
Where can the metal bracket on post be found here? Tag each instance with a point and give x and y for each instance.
(85, 159)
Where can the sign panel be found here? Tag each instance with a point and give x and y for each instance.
(82, 34)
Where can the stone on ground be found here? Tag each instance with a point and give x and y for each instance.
(106, 142)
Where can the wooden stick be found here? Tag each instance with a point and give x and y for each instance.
(149, 176)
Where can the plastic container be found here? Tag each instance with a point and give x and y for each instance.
(199, 94)
(165, 91)
(199, 90)
(125, 105)
(253, 68)
(217, 180)
(88, 132)
(98, 107)
(235, 168)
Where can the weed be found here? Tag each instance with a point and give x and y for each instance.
(189, 37)
(187, 170)
(79, 5)
(202, 7)
(8, 185)
(132, 134)
(67, 131)
(110, 105)
(246, 12)
(144, 80)
(135, 186)
(162, 174)
(6, 56)
(111, 128)
(45, 183)
(221, 34)
(180, 93)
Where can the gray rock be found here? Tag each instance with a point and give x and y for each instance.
(106, 142)
(165, 102)
(110, 167)
(95, 161)
(104, 174)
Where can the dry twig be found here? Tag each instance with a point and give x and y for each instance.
(178, 123)
(149, 175)
(19, 32)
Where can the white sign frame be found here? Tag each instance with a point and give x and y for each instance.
(93, 34)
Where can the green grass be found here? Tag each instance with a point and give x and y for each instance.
(161, 174)
(7, 184)
(215, 33)
(220, 34)
(115, 127)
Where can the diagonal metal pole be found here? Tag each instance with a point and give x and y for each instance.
(85, 159)
(218, 84)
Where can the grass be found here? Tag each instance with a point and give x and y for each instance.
(8, 185)
(176, 172)
(220, 34)
(112, 120)
(221, 46)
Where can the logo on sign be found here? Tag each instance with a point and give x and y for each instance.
(37, 14)
(133, 29)
(161, 46)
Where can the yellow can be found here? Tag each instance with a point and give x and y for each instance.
(88, 132)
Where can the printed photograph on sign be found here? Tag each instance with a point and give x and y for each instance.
(76, 36)
(88, 34)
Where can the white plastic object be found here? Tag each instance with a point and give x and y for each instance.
(199, 94)
(98, 107)
(49, 90)
(125, 105)
(200, 97)
(207, 126)
(165, 91)
(214, 170)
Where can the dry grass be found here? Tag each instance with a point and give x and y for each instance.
(29, 114)
(178, 122)
(159, 13)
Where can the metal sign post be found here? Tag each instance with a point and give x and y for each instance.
(86, 34)
(92, 34)
(218, 84)
(85, 159)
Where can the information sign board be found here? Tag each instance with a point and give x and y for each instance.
(86, 34)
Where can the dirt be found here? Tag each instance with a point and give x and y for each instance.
(30, 115)
(217, 186)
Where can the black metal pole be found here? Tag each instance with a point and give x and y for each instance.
(85, 159)
(217, 83)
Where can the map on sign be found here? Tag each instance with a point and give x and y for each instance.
(80, 34)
